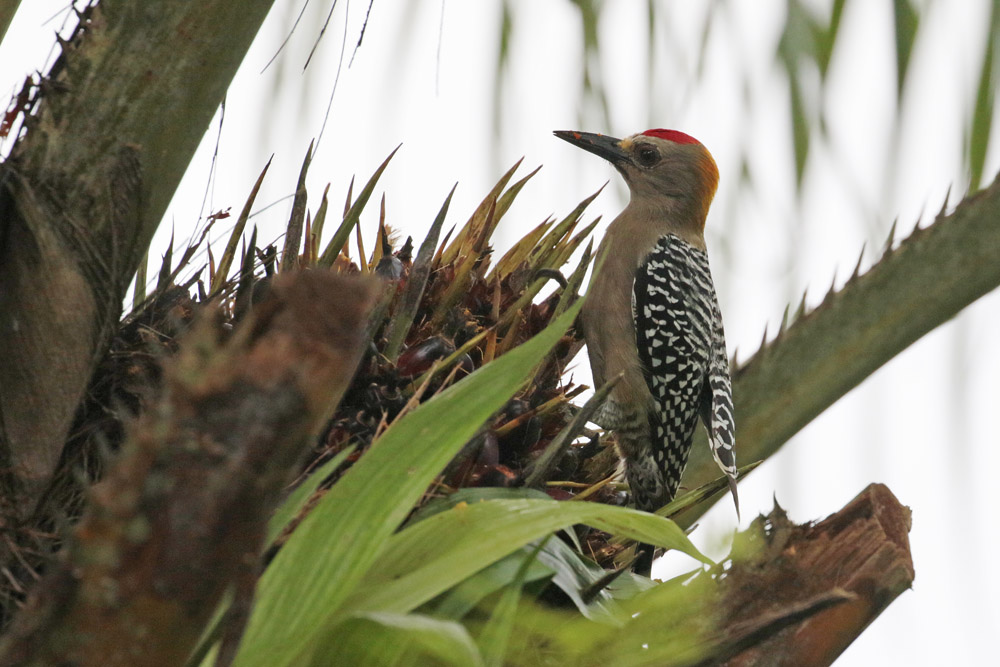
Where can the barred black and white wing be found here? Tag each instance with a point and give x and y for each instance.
(682, 348)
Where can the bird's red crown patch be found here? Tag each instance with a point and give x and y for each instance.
(672, 135)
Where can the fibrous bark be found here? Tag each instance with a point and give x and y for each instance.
(182, 514)
(108, 133)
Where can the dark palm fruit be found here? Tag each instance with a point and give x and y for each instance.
(418, 358)
(477, 457)
(568, 464)
(465, 365)
(499, 475)
(516, 407)
(489, 453)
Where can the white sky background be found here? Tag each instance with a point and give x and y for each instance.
(923, 424)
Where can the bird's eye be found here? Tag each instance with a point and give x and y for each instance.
(648, 156)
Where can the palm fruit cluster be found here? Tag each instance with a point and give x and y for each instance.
(448, 307)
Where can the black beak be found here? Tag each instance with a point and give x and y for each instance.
(598, 144)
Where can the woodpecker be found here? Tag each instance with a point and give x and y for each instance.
(651, 314)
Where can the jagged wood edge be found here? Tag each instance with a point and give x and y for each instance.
(911, 290)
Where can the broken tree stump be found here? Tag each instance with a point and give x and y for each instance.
(824, 583)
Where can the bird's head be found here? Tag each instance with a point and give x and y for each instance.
(661, 167)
